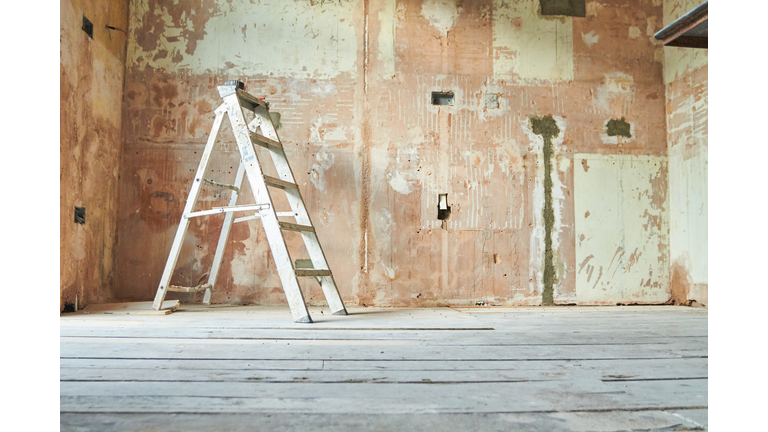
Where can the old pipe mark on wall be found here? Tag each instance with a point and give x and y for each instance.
(547, 128)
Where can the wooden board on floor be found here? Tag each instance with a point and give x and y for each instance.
(132, 308)
(552, 369)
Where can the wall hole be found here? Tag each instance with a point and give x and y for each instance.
(442, 98)
(87, 27)
(80, 215)
(573, 8)
(443, 209)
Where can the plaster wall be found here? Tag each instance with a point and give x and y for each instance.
(91, 88)
(686, 82)
(351, 81)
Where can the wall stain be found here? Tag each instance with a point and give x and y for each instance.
(547, 128)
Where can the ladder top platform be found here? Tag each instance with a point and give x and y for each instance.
(227, 90)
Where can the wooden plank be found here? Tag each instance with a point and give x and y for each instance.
(217, 397)
(287, 226)
(468, 336)
(265, 142)
(628, 367)
(312, 273)
(260, 349)
(200, 287)
(611, 420)
(538, 372)
(132, 308)
(274, 182)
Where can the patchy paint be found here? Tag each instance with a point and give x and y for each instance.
(686, 79)
(91, 71)
(529, 46)
(442, 14)
(387, 36)
(314, 39)
(370, 152)
(590, 38)
(616, 94)
(634, 32)
(626, 234)
(680, 61)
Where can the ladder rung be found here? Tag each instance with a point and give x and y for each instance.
(291, 214)
(312, 273)
(264, 141)
(222, 185)
(249, 100)
(296, 227)
(246, 218)
(216, 210)
(177, 288)
(282, 184)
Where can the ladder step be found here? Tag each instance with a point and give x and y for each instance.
(222, 185)
(312, 273)
(215, 210)
(249, 101)
(177, 288)
(265, 142)
(282, 184)
(296, 227)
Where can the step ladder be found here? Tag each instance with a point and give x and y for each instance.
(259, 131)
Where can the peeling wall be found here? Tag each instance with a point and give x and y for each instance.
(686, 82)
(622, 229)
(91, 88)
(352, 82)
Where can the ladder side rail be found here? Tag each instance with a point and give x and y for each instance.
(194, 192)
(312, 243)
(269, 220)
(225, 228)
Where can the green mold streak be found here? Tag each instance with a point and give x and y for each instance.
(547, 128)
(618, 128)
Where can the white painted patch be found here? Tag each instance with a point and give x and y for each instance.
(442, 14)
(528, 46)
(650, 29)
(387, 33)
(616, 95)
(317, 40)
(400, 184)
(317, 175)
(621, 251)
(688, 207)
(593, 8)
(634, 32)
(323, 129)
(590, 38)
(242, 269)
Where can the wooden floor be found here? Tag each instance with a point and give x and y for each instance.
(238, 368)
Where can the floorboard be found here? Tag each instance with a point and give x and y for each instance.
(232, 367)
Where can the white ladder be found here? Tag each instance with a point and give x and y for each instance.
(246, 135)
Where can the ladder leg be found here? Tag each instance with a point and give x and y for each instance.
(218, 256)
(173, 256)
(311, 242)
(269, 219)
